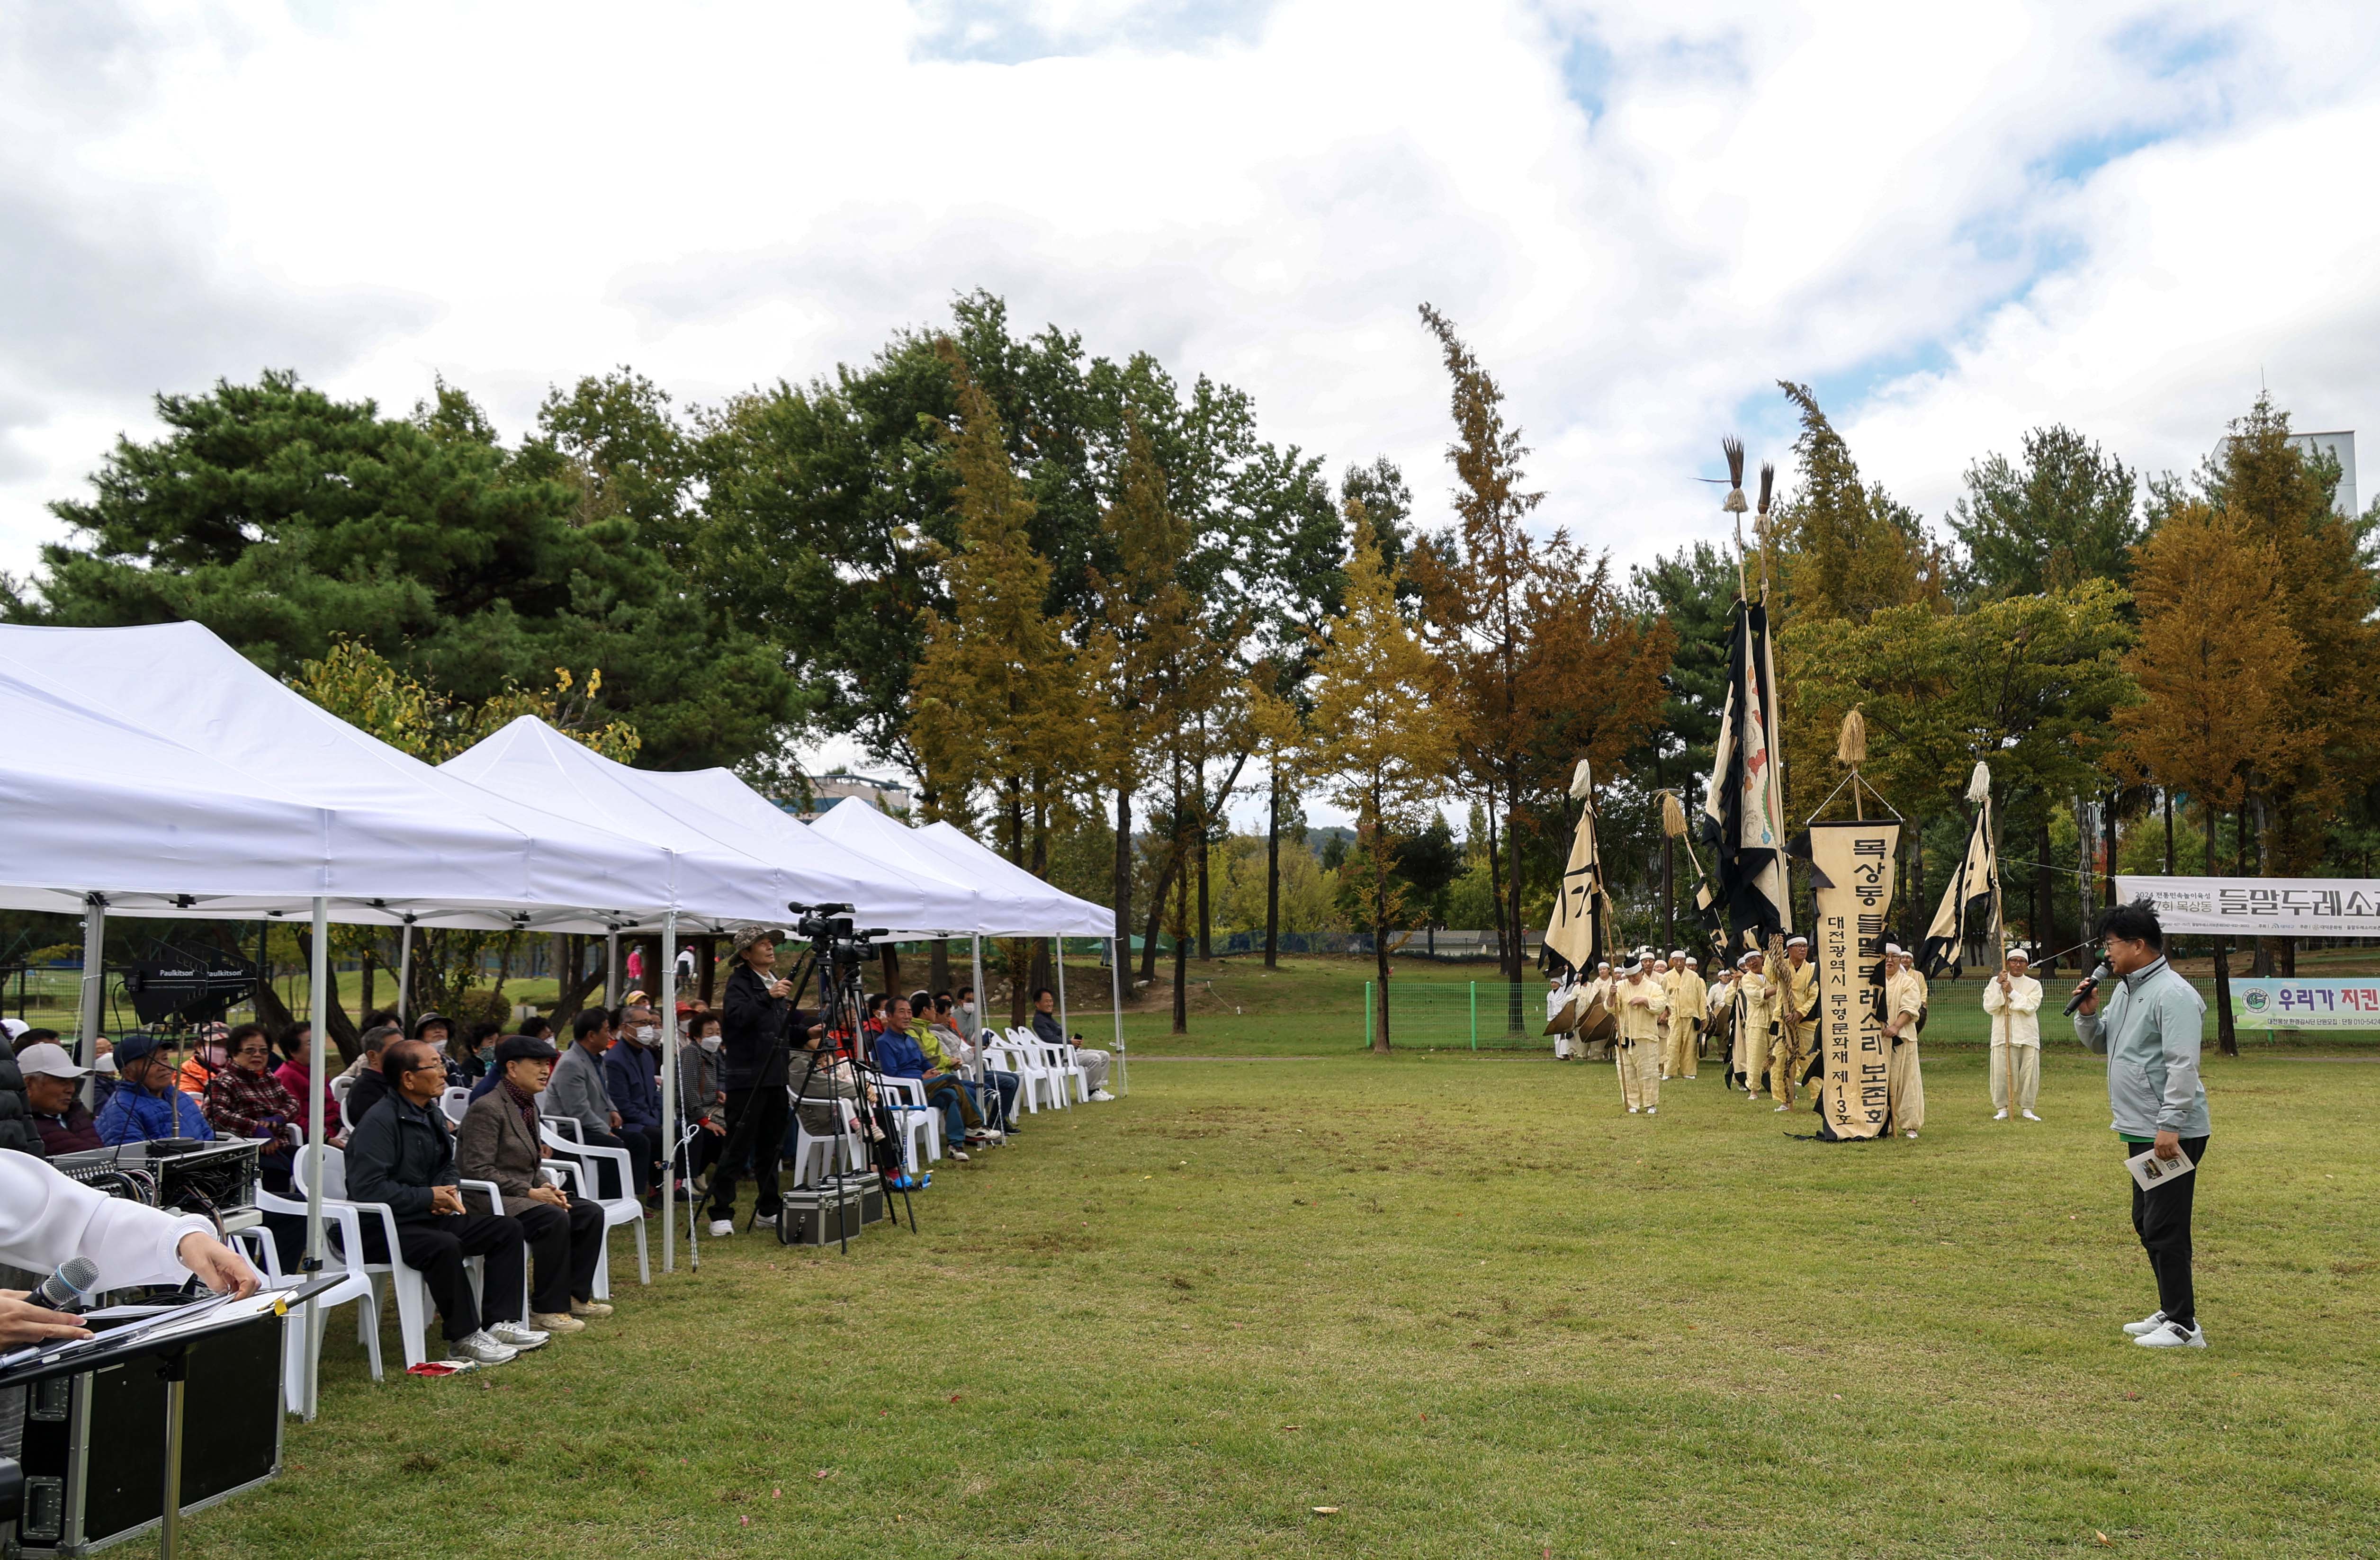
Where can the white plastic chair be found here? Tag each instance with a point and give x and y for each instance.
(921, 1123)
(410, 1290)
(352, 1286)
(454, 1101)
(339, 1087)
(818, 1151)
(561, 1134)
(1035, 1087)
(1056, 1064)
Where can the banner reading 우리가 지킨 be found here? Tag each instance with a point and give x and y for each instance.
(1852, 877)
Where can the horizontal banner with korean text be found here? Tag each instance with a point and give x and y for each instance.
(2351, 1003)
(2264, 907)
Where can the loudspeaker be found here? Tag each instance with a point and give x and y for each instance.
(94, 1452)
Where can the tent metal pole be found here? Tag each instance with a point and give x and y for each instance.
(320, 1010)
(1061, 963)
(405, 972)
(982, 1001)
(94, 987)
(1115, 983)
(669, 1091)
(612, 990)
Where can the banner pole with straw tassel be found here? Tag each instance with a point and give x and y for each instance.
(1732, 448)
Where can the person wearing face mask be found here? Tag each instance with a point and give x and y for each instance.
(211, 1056)
(700, 1096)
(146, 1105)
(433, 1030)
(632, 1080)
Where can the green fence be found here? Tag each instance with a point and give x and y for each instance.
(1474, 1015)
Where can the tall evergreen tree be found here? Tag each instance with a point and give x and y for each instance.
(1849, 546)
(2063, 513)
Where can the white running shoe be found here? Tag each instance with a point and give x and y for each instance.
(2173, 1335)
(1632, 1110)
(479, 1349)
(1652, 1110)
(1101, 1095)
(764, 1221)
(1911, 1133)
(722, 1228)
(2146, 1324)
(2000, 1115)
(515, 1335)
(2031, 1116)
(1781, 1110)
(958, 1154)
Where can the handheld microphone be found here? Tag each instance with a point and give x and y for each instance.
(70, 1287)
(2088, 987)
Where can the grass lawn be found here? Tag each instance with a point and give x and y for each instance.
(1468, 1303)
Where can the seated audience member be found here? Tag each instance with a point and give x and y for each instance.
(246, 1101)
(435, 1030)
(207, 1057)
(369, 1086)
(632, 1081)
(18, 1131)
(472, 1053)
(537, 1026)
(577, 1093)
(963, 1013)
(932, 1026)
(147, 1105)
(498, 1142)
(900, 1056)
(401, 1154)
(52, 1082)
(1050, 1032)
(699, 1098)
(295, 1074)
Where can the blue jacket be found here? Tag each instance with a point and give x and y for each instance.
(629, 1077)
(134, 1115)
(899, 1054)
(2148, 1027)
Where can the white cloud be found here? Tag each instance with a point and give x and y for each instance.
(1958, 221)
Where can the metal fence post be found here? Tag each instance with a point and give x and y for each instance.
(1474, 1015)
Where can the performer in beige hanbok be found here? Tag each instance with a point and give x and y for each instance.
(1687, 996)
(2013, 998)
(1640, 1006)
(1904, 1007)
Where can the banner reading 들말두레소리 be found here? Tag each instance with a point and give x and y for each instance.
(2262, 907)
(1851, 871)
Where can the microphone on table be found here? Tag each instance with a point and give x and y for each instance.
(2087, 987)
(69, 1289)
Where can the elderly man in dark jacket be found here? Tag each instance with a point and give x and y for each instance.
(632, 1080)
(401, 1154)
(499, 1143)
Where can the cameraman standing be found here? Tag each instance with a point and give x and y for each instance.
(2150, 1036)
(755, 1011)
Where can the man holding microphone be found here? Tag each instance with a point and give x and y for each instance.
(2150, 1033)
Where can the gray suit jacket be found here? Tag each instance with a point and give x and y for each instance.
(495, 1144)
(577, 1089)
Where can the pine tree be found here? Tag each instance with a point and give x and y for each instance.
(2061, 514)
(1848, 547)
(1377, 736)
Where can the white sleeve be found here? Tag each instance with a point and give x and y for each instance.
(45, 1218)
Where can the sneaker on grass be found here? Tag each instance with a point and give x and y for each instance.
(1101, 1095)
(517, 1335)
(551, 1322)
(2173, 1335)
(2031, 1116)
(589, 1309)
(2146, 1324)
(720, 1227)
(2000, 1115)
(482, 1348)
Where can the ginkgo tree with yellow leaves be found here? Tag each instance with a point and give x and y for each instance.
(1378, 742)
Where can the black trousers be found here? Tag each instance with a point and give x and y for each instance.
(2161, 1218)
(756, 1137)
(435, 1248)
(605, 1173)
(565, 1249)
(644, 1147)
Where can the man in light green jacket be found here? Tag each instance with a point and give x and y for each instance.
(2149, 1032)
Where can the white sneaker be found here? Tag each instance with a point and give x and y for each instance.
(515, 1335)
(1652, 1110)
(1632, 1110)
(2148, 1323)
(479, 1349)
(2031, 1116)
(958, 1154)
(1101, 1095)
(720, 1229)
(2000, 1115)
(2173, 1335)
(1911, 1133)
(764, 1221)
(1781, 1110)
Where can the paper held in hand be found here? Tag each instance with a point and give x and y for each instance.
(2152, 1172)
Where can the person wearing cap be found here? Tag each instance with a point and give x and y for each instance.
(1904, 1011)
(2012, 998)
(1687, 996)
(1640, 1005)
(1755, 1021)
(147, 1105)
(1718, 1013)
(498, 1142)
(211, 1056)
(755, 1013)
(53, 1087)
(1796, 999)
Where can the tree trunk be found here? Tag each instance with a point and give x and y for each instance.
(1513, 953)
(938, 966)
(705, 971)
(2226, 1038)
(1380, 933)
(2167, 793)
(1206, 919)
(343, 1028)
(888, 960)
(368, 962)
(503, 974)
(2108, 887)
(1121, 953)
(1156, 915)
(2045, 887)
(1041, 976)
(1180, 951)
(577, 979)
(1494, 880)
(1272, 878)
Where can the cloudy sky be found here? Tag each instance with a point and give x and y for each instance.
(1957, 220)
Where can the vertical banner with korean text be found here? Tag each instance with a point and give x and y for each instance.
(1851, 865)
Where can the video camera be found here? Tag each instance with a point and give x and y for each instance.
(829, 930)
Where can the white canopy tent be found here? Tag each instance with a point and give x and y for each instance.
(1014, 904)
